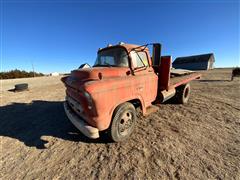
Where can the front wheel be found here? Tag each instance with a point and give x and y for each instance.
(123, 122)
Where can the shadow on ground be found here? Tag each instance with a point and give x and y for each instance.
(218, 80)
(28, 122)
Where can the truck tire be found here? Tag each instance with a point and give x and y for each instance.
(183, 93)
(21, 87)
(123, 122)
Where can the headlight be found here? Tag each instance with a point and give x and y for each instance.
(89, 99)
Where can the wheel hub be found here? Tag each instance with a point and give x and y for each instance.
(125, 123)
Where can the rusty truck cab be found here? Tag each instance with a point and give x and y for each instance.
(93, 94)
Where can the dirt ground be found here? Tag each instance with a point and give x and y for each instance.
(199, 140)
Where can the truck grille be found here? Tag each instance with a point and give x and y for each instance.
(74, 105)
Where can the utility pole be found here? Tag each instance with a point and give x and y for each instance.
(33, 69)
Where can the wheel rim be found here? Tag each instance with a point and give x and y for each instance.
(125, 123)
(186, 93)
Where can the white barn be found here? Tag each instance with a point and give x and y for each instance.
(197, 62)
(54, 74)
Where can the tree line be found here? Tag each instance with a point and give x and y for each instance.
(18, 74)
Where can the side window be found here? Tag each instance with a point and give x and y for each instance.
(139, 59)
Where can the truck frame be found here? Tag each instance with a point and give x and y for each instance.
(125, 77)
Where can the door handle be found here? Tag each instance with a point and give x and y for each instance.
(140, 88)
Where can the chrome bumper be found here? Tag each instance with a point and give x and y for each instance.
(79, 123)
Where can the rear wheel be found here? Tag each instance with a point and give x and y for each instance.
(123, 122)
(183, 93)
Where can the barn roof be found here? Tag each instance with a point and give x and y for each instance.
(195, 58)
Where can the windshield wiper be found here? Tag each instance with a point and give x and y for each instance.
(109, 65)
(103, 65)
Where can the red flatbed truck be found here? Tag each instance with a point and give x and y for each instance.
(123, 78)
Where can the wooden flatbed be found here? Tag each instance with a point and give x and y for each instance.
(176, 81)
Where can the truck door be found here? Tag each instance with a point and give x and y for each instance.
(146, 79)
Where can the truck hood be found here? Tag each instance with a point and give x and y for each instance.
(98, 73)
(80, 76)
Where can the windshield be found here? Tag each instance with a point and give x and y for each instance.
(115, 57)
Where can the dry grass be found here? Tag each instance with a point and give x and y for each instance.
(200, 140)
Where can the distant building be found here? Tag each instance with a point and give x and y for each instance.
(197, 62)
(84, 66)
(54, 74)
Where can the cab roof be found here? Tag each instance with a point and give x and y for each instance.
(128, 47)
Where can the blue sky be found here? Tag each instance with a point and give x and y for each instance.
(61, 35)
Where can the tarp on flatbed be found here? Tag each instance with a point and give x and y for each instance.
(180, 72)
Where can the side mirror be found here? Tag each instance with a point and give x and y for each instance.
(156, 54)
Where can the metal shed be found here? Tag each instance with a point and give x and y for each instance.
(196, 62)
